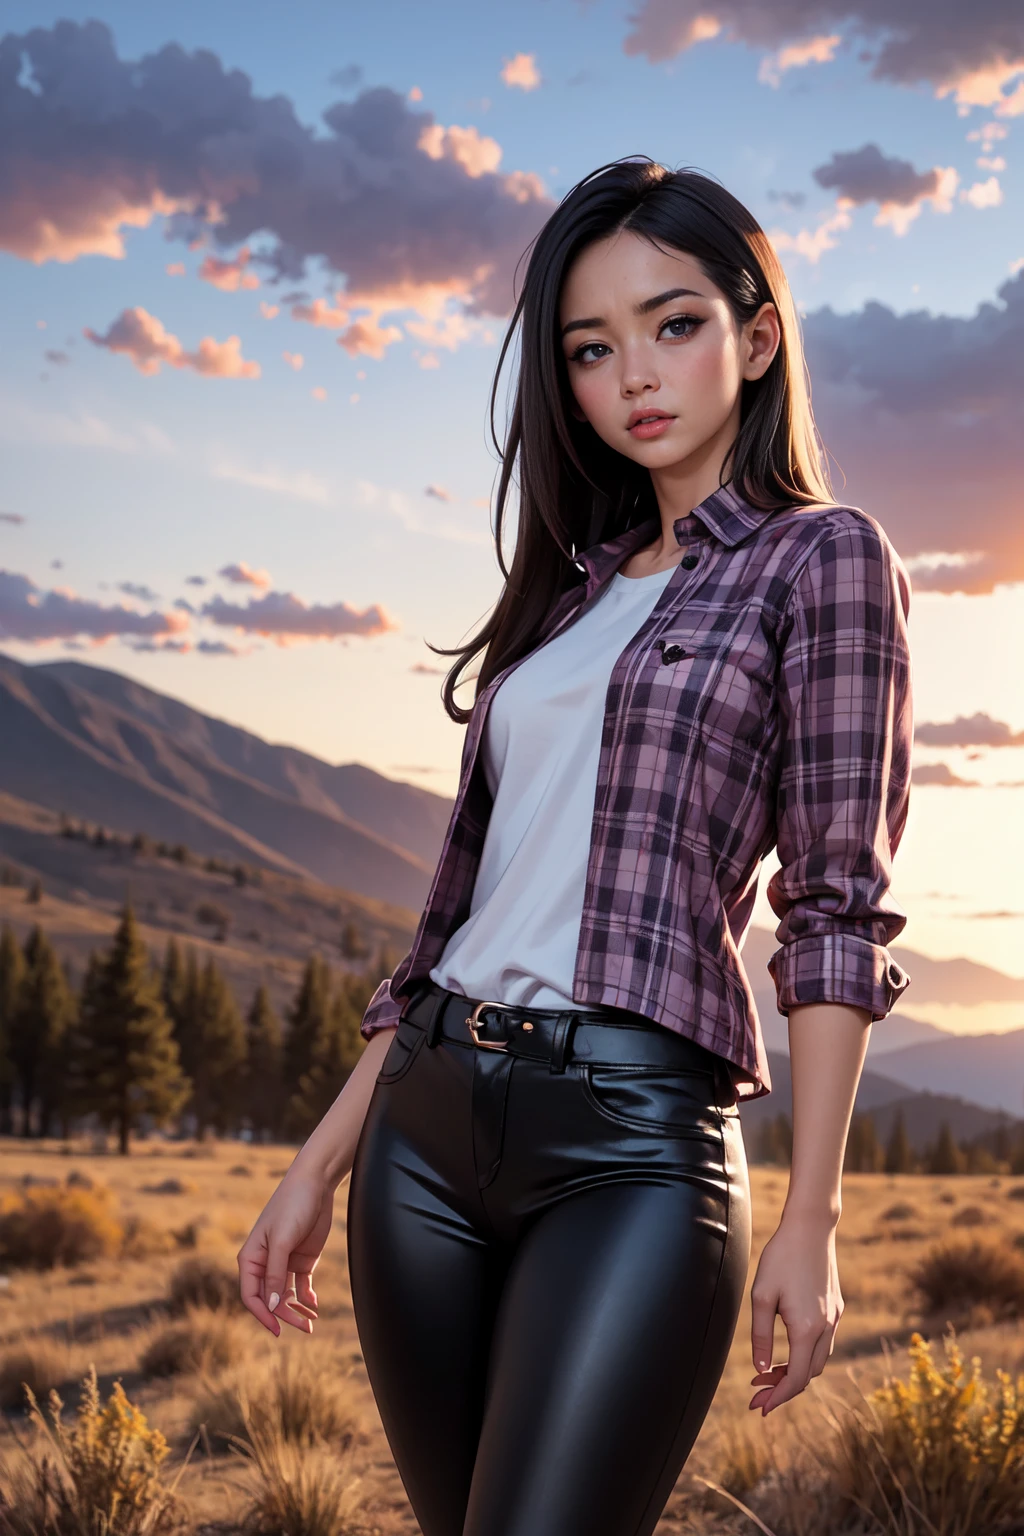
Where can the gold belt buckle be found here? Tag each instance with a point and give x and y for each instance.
(473, 1021)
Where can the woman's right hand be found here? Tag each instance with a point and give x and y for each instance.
(277, 1259)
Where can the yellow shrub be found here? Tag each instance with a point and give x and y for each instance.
(99, 1475)
(41, 1228)
(942, 1451)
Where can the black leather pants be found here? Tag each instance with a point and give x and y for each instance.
(546, 1267)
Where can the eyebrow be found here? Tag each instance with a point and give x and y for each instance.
(643, 308)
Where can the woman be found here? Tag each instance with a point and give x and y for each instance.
(697, 655)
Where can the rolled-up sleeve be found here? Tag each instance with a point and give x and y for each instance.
(843, 787)
(381, 1012)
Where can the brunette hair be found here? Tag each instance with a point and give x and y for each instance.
(575, 491)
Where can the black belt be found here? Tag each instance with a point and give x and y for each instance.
(602, 1037)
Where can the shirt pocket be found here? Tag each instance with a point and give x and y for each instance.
(720, 692)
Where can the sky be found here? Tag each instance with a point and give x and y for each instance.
(256, 267)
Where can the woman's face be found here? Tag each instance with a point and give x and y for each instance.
(634, 343)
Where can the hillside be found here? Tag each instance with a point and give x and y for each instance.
(259, 925)
(986, 1068)
(881, 1097)
(103, 748)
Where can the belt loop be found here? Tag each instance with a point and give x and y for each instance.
(560, 1040)
(434, 1016)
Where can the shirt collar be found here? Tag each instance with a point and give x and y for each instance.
(725, 514)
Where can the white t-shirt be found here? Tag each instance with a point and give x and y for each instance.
(541, 745)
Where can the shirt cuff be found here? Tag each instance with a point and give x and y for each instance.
(837, 968)
(382, 1011)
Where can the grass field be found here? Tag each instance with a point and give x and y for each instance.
(178, 1205)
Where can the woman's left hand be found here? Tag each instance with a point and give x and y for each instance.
(797, 1277)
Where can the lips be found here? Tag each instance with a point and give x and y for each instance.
(638, 416)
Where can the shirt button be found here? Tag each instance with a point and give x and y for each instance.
(689, 561)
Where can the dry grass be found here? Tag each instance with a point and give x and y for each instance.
(307, 1405)
(200, 1342)
(39, 1364)
(99, 1476)
(969, 1282)
(302, 1491)
(203, 1282)
(43, 1227)
(110, 1308)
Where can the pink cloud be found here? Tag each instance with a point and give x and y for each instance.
(142, 337)
(244, 576)
(230, 275)
(285, 618)
(28, 613)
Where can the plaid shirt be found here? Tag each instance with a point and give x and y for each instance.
(765, 701)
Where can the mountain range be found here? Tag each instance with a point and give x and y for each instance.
(101, 748)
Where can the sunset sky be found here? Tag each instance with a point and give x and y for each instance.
(256, 265)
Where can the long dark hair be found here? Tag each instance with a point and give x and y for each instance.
(574, 490)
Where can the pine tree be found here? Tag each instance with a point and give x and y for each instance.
(264, 1091)
(308, 1023)
(853, 1156)
(37, 1032)
(872, 1151)
(945, 1156)
(172, 982)
(898, 1156)
(124, 1061)
(12, 980)
(215, 1052)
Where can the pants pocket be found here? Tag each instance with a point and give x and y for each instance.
(659, 1100)
(401, 1053)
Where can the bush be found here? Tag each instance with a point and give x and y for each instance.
(307, 1407)
(201, 1282)
(38, 1364)
(200, 1342)
(100, 1476)
(970, 1216)
(901, 1211)
(969, 1282)
(301, 1492)
(169, 1187)
(945, 1445)
(41, 1228)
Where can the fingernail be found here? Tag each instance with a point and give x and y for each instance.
(274, 1300)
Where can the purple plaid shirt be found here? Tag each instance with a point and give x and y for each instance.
(765, 701)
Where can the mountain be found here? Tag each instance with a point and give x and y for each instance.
(882, 1098)
(989, 1069)
(932, 981)
(103, 748)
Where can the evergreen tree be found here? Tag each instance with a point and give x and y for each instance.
(214, 1052)
(945, 1156)
(37, 1032)
(853, 1156)
(353, 942)
(309, 1022)
(898, 1156)
(124, 1061)
(1002, 1142)
(172, 982)
(872, 1151)
(12, 980)
(264, 1090)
